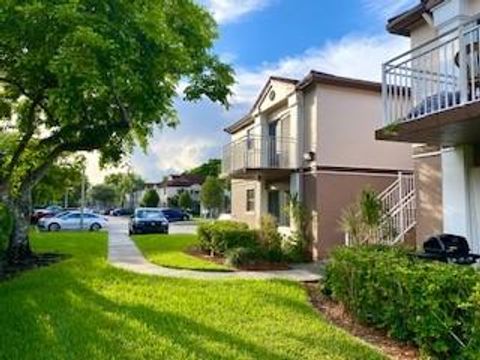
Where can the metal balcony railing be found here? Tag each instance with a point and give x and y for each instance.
(258, 152)
(439, 75)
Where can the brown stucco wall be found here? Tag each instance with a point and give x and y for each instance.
(332, 193)
(428, 179)
(239, 201)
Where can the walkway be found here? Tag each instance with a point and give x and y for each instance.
(124, 254)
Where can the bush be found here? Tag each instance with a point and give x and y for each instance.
(5, 227)
(219, 236)
(270, 239)
(150, 198)
(241, 256)
(427, 303)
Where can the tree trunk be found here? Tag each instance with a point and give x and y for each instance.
(19, 249)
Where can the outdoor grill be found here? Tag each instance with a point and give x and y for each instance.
(448, 248)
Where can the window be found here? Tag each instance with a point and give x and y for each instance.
(250, 200)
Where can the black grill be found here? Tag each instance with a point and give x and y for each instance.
(448, 248)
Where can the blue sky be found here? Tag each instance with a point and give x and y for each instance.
(271, 37)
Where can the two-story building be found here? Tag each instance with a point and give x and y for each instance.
(172, 186)
(312, 137)
(431, 98)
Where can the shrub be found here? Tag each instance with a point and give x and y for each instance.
(423, 302)
(5, 227)
(241, 256)
(150, 198)
(220, 236)
(270, 239)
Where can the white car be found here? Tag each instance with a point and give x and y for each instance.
(71, 221)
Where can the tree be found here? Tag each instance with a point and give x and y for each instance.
(185, 201)
(125, 184)
(211, 194)
(150, 198)
(94, 75)
(212, 167)
(63, 179)
(104, 194)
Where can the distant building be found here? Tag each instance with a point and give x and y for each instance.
(171, 187)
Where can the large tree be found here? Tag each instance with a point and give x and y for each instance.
(83, 75)
(104, 194)
(212, 167)
(126, 183)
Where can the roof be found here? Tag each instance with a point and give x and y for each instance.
(402, 23)
(247, 119)
(313, 77)
(182, 180)
(317, 77)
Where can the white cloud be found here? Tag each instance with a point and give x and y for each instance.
(387, 8)
(357, 56)
(225, 11)
(170, 153)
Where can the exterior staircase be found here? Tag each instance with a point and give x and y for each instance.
(399, 204)
(399, 207)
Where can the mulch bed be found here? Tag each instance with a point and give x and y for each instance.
(7, 270)
(258, 266)
(338, 315)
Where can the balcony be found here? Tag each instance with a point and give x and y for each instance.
(253, 156)
(431, 94)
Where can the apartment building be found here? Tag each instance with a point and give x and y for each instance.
(431, 98)
(313, 137)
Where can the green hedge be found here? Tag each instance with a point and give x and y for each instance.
(428, 303)
(5, 227)
(219, 236)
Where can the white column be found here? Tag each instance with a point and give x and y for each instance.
(456, 216)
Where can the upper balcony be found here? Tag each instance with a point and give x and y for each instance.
(431, 94)
(253, 156)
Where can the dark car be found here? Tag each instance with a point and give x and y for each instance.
(148, 220)
(173, 215)
(49, 211)
(121, 212)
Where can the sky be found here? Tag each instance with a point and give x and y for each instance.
(260, 38)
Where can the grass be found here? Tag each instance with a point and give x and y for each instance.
(83, 308)
(169, 251)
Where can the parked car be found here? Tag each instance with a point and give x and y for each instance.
(38, 214)
(148, 220)
(173, 215)
(71, 220)
(121, 212)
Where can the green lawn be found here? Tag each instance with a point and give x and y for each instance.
(169, 250)
(84, 309)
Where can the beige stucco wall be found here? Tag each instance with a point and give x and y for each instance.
(239, 201)
(347, 120)
(282, 90)
(428, 179)
(422, 34)
(327, 194)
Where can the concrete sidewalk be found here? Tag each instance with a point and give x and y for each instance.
(124, 254)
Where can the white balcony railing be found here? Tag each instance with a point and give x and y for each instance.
(258, 152)
(439, 75)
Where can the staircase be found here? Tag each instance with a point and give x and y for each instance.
(399, 204)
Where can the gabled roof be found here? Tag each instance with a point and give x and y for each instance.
(313, 77)
(403, 23)
(247, 119)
